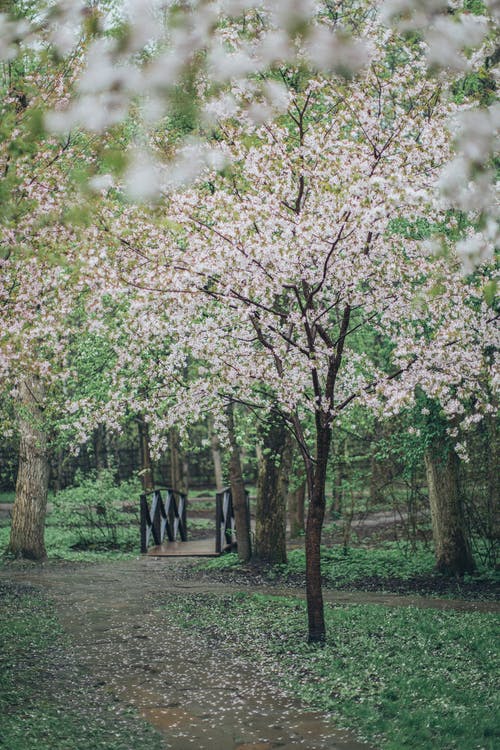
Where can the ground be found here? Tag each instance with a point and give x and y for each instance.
(115, 616)
(133, 650)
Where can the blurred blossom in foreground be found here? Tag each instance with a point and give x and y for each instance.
(161, 45)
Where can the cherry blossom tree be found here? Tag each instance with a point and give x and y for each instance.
(41, 280)
(261, 276)
(265, 275)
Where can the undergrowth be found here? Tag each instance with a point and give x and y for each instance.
(348, 565)
(402, 677)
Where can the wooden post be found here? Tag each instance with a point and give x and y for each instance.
(144, 525)
(218, 522)
(183, 520)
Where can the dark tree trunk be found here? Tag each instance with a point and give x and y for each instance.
(340, 451)
(57, 471)
(315, 517)
(179, 470)
(377, 478)
(241, 514)
(451, 543)
(146, 472)
(272, 484)
(100, 450)
(296, 510)
(492, 464)
(30, 506)
(216, 457)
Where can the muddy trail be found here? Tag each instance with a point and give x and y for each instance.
(198, 698)
(116, 617)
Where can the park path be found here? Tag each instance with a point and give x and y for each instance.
(206, 700)
(198, 698)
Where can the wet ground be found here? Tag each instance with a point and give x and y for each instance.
(199, 698)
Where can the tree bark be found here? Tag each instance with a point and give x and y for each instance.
(492, 464)
(30, 506)
(316, 513)
(241, 514)
(376, 471)
(216, 457)
(451, 543)
(100, 448)
(179, 469)
(272, 485)
(340, 452)
(146, 472)
(296, 510)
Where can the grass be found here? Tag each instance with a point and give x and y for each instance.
(64, 543)
(46, 703)
(59, 544)
(344, 566)
(403, 678)
(201, 523)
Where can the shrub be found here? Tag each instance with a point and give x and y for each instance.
(93, 510)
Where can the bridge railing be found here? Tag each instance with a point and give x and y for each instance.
(225, 528)
(165, 518)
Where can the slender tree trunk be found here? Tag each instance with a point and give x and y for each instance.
(492, 463)
(179, 470)
(216, 456)
(147, 472)
(339, 452)
(57, 471)
(296, 510)
(241, 514)
(100, 452)
(272, 484)
(30, 506)
(112, 453)
(315, 517)
(376, 470)
(452, 548)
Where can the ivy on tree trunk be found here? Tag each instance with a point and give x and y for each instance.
(272, 486)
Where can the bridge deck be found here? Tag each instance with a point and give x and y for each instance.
(200, 548)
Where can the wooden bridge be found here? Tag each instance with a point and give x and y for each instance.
(164, 525)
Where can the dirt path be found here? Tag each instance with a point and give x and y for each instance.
(198, 699)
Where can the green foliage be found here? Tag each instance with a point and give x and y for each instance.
(342, 565)
(402, 677)
(224, 562)
(391, 560)
(479, 85)
(201, 524)
(421, 427)
(46, 701)
(92, 511)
